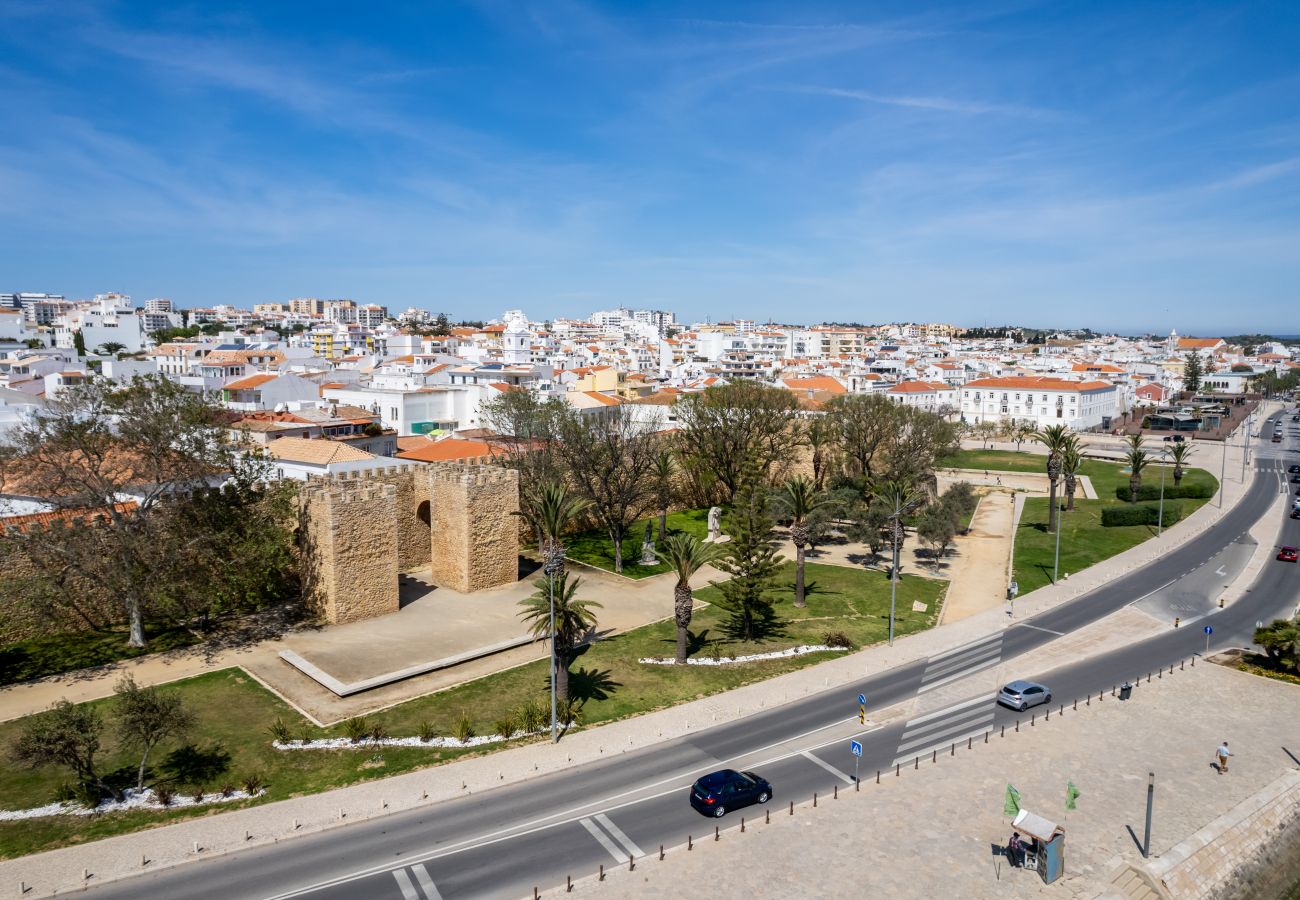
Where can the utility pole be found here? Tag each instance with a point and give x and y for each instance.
(1056, 563)
(1146, 836)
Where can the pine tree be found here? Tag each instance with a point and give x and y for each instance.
(1192, 372)
(751, 560)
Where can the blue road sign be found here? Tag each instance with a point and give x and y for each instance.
(855, 747)
(862, 698)
(1208, 630)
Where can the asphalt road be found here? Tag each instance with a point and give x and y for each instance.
(502, 843)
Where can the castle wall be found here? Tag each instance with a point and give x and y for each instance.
(475, 532)
(351, 550)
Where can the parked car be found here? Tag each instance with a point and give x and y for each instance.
(719, 793)
(1020, 695)
(1293, 469)
(1295, 511)
(1287, 554)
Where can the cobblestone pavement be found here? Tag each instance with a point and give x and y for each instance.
(933, 832)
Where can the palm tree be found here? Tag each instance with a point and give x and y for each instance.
(1054, 438)
(664, 468)
(686, 555)
(569, 623)
(108, 348)
(549, 511)
(1179, 453)
(1137, 460)
(1071, 460)
(898, 498)
(798, 499)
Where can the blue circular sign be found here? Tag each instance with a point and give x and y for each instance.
(1208, 630)
(862, 698)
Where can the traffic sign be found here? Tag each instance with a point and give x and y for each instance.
(862, 699)
(855, 747)
(1208, 630)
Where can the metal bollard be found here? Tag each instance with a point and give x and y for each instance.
(689, 843)
(1076, 702)
(968, 742)
(1182, 665)
(536, 894)
(934, 756)
(602, 871)
(716, 832)
(834, 796)
(896, 770)
(1004, 731)
(1033, 717)
(814, 799)
(742, 824)
(767, 817)
(792, 807)
(631, 863)
(1048, 717)
(568, 884)
(916, 764)
(953, 750)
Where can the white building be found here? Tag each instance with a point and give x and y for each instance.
(931, 396)
(1039, 401)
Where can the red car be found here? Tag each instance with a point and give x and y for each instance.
(1287, 554)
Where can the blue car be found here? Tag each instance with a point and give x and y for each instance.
(719, 793)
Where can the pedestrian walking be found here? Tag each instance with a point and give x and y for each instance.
(1223, 753)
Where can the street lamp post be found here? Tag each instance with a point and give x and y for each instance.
(554, 561)
(1056, 563)
(1160, 516)
(893, 576)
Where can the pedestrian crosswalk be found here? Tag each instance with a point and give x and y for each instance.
(611, 837)
(407, 887)
(966, 660)
(940, 729)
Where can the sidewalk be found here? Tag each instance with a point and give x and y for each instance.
(118, 857)
(935, 832)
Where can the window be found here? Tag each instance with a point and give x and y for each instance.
(392, 413)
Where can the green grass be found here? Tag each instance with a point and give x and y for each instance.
(234, 712)
(1084, 542)
(594, 547)
(53, 654)
(995, 461)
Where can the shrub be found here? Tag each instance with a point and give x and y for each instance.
(227, 789)
(198, 795)
(357, 730)
(569, 712)
(1149, 491)
(715, 651)
(279, 730)
(464, 728)
(505, 726)
(164, 795)
(532, 717)
(253, 785)
(426, 731)
(1141, 514)
(306, 737)
(837, 639)
(378, 732)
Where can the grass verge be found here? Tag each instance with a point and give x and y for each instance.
(596, 549)
(69, 651)
(231, 738)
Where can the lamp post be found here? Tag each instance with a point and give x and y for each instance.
(1160, 516)
(554, 563)
(893, 574)
(1056, 562)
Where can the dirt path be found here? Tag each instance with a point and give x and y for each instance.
(978, 570)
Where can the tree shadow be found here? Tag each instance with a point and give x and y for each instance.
(766, 625)
(592, 684)
(195, 765)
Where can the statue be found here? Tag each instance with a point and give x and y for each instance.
(648, 557)
(715, 524)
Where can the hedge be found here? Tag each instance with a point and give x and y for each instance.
(1141, 514)
(1149, 491)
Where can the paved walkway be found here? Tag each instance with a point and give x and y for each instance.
(935, 832)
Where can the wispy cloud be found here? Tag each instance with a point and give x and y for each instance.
(936, 104)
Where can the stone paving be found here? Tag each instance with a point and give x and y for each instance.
(932, 832)
(109, 859)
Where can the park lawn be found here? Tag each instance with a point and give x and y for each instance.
(594, 548)
(1084, 542)
(852, 601)
(69, 651)
(995, 461)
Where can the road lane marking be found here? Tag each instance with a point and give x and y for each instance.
(426, 883)
(603, 840)
(1038, 628)
(942, 736)
(957, 676)
(943, 745)
(619, 836)
(956, 650)
(962, 718)
(827, 766)
(1221, 571)
(404, 882)
(949, 709)
(951, 665)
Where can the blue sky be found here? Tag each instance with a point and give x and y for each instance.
(1120, 165)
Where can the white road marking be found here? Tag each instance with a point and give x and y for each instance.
(966, 647)
(603, 840)
(1221, 571)
(934, 670)
(948, 709)
(943, 745)
(619, 836)
(827, 766)
(404, 882)
(987, 664)
(940, 737)
(426, 883)
(1038, 628)
(961, 719)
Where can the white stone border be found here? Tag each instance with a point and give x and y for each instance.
(135, 799)
(754, 657)
(345, 743)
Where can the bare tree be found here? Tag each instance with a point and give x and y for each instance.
(864, 425)
(723, 427)
(610, 460)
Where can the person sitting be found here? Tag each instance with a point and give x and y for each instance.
(1016, 850)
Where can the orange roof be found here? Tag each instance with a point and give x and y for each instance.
(252, 381)
(1097, 367)
(815, 383)
(86, 515)
(447, 449)
(1040, 383)
(1198, 343)
(308, 450)
(603, 398)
